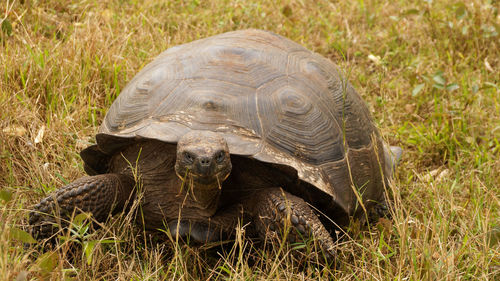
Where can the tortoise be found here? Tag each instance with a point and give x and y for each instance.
(242, 128)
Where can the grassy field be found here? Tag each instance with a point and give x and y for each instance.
(429, 71)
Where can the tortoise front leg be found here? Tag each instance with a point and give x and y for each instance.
(100, 195)
(275, 211)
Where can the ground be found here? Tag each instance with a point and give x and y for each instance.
(429, 71)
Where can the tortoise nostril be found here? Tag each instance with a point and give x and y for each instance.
(205, 161)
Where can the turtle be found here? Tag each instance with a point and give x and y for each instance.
(245, 128)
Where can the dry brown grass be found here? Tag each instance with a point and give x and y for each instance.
(64, 62)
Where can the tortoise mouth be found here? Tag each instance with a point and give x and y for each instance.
(216, 178)
(204, 179)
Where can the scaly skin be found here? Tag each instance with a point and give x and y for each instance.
(270, 211)
(100, 195)
(273, 210)
(192, 203)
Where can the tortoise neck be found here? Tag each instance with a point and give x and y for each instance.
(201, 196)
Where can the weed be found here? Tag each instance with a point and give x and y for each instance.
(427, 69)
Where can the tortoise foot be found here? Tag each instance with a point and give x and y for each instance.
(279, 213)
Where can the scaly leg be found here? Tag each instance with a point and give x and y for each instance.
(100, 195)
(273, 209)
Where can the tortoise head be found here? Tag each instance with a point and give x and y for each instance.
(203, 156)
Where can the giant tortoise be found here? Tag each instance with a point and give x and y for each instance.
(243, 128)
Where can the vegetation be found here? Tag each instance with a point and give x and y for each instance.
(429, 71)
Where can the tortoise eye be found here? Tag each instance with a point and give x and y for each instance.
(220, 156)
(188, 158)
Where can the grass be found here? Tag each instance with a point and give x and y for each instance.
(429, 71)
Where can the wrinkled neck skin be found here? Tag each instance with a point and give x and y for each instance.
(204, 197)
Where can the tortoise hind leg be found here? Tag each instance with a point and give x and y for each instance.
(100, 195)
(275, 210)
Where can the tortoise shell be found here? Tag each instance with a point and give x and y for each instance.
(272, 99)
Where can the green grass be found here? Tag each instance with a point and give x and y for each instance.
(429, 71)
